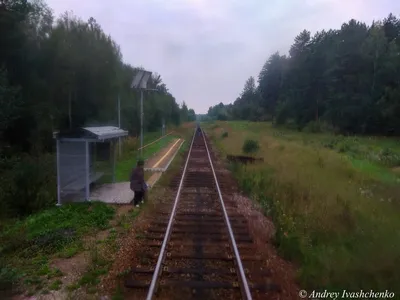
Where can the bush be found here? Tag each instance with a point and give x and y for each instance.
(389, 158)
(224, 134)
(8, 277)
(250, 146)
(344, 146)
(331, 142)
(28, 184)
(317, 127)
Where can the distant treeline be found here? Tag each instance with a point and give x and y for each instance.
(345, 80)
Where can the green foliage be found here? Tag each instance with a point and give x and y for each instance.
(55, 228)
(28, 184)
(389, 157)
(343, 80)
(27, 245)
(333, 209)
(224, 134)
(131, 153)
(58, 75)
(118, 295)
(317, 127)
(8, 277)
(55, 285)
(99, 266)
(70, 250)
(10, 102)
(250, 146)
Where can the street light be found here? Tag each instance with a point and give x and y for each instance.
(140, 82)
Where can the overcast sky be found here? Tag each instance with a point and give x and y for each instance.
(206, 49)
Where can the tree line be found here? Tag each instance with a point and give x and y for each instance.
(62, 73)
(345, 80)
(65, 73)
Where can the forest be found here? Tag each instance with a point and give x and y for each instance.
(55, 74)
(345, 81)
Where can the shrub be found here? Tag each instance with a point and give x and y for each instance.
(250, 146)
(388, 157)
(224, 134)
(28, 185)
(313, 127)
(331, 143)
(344, 146)
(8, 277)
(317, 127)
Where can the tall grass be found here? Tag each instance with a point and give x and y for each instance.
(337, 222)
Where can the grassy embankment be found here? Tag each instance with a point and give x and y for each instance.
(29, 247)
(334, 201)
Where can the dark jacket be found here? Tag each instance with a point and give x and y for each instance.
(137, 179)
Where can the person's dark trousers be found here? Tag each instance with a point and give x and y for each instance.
(138, 197)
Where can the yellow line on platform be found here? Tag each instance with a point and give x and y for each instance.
(165, 155)
(155, 141)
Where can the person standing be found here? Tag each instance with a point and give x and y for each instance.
(137, 183)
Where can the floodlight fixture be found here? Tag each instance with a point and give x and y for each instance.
(140, 80)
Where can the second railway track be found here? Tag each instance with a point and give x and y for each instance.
(201, 246)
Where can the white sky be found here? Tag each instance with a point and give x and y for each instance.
(206, 49)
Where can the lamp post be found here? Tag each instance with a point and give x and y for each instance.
(141, 123)
(140, 82)
(119, 125)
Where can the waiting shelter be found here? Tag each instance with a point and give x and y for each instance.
(84, 156)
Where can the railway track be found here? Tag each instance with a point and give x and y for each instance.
(199, 247)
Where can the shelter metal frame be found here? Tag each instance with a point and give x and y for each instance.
(74, 170)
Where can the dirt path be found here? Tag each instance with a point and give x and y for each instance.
(162, 158)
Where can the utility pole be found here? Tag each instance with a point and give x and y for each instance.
(119, 125)
(140, 82)
(141, 123)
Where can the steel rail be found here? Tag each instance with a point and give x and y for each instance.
(234, 246)
(168, 231)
